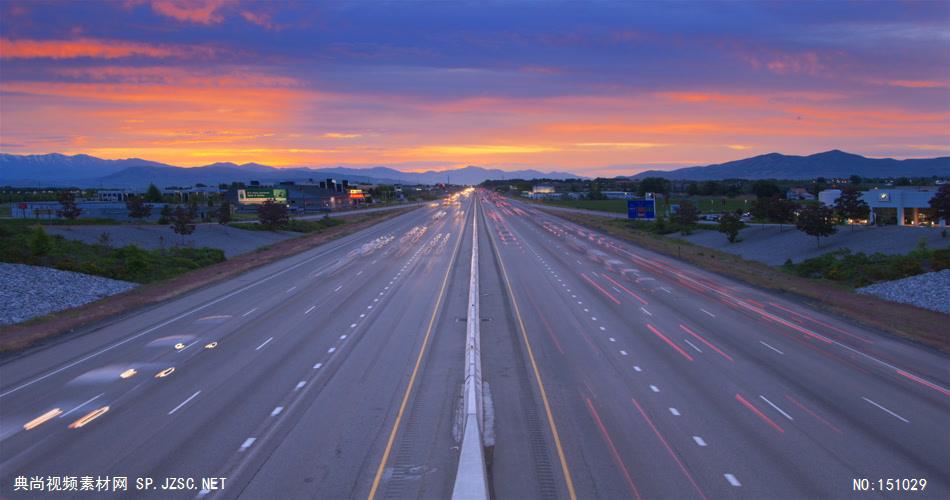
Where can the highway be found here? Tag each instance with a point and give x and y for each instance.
(611, 372)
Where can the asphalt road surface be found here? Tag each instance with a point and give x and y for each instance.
(612, 372)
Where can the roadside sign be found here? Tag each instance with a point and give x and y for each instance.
(641, 209)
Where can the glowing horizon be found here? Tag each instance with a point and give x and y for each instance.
(608, 89)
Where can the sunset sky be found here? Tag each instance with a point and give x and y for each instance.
(597, 88)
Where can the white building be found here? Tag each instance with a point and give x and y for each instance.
(618, 195)
(904, 205)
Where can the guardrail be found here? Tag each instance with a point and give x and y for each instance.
(471, 479)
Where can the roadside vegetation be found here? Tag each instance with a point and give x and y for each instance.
(860, 269)
(274, 216)
(294, 225)
(24, 242)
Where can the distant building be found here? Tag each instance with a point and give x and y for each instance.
(799, 193)
(90, 210)
(542, 189)
(115, 195)
(902, 206)
(618, 195)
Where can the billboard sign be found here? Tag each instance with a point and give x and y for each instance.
(255, 195)
(641, 209)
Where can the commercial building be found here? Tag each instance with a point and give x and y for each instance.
(902, 206)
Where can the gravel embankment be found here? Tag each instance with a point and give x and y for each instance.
(929, 291)
(31, 291)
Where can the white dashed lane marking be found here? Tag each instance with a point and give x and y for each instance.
(786, 415)
(732, 480)
(770, 347)
(675, 412)
(183, 403)
(247, 443)
(902, 419)
(277, 411)
(699, 441)
(265, 343)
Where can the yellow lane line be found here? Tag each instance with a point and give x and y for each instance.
(537, 376)
(415, 370)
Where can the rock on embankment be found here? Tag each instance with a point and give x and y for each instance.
(928, 290)
(31, 291)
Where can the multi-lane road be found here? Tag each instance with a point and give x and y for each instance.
(609, 372)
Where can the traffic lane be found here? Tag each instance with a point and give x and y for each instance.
(58, 361)
(212, 325)
(927, 404)
(230, 377)
(867, 352)
(24, 367)
(661, 346)
(928, 362)
(424, 456)
(611, 450)
(341, 437)
(523, 462)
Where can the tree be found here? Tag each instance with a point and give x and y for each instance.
(855, 179)
(850, 205)
(762, 208)
(224, 212)
(817, 221)
(940, 203)
(781, 211)
(730, 224)
(69, 209)
(138, 209)
(153, 194)
(654, 185)
(165, 215)
(182, 222)
(272, 215)
(40, 243)
(686, 216)
(765, 189)
(692, 189)
(710, 188)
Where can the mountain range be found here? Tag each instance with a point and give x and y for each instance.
(51, 170)
(829, 164)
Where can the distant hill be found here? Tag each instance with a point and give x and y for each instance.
(833, 163)
(88, 171)
(53, 167)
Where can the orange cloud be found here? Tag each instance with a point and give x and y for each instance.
(339, 135)
(918, 84)
(195, 11)
(744, 100)
(94, 48)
